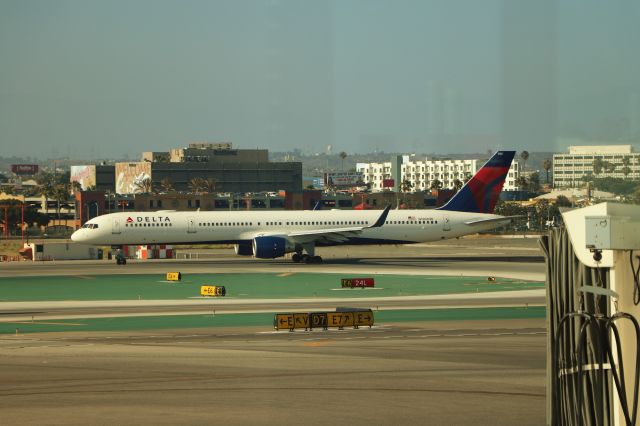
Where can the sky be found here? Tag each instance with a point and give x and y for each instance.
(107, 79)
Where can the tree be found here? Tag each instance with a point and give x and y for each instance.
(46, 182)
(166, 184)
(196, 185)
(524, 155)
(436, 185)
(406, 185)
(609, 167)
(144, 186)
(209, 185)
(563, 201)
(522, 183)
(457, 184)
(343, 155)
(626, 162)
(61, 193)
(547, 164)
(75, 186)
(14, 215)
(534, 182)
(598, 165)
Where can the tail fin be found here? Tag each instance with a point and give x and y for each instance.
(480, 194)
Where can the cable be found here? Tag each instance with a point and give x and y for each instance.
(609, 329)
(636, 279)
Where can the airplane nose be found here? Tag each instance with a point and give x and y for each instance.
(76, 237)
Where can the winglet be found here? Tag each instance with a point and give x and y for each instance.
(382, 219)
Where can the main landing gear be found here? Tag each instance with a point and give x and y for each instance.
(305, 258)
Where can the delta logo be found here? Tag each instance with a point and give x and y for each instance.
(149, 219)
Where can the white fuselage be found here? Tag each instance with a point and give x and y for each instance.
(172, 227)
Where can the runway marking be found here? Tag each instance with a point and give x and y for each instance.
(357, 289)
(285, 274)
(317, 344)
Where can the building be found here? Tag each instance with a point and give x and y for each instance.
(223, 168)
(422, 173)
(94, 177)
(594, 161)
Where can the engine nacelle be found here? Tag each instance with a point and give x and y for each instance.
(244, 249)
(271, 247)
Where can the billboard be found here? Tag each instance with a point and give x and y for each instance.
(343, 179)
(24, 169)
(84, 175)
(131, 177)
(388, 183)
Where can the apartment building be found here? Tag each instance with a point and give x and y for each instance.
(421, 173)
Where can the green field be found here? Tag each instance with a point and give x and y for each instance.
(244, 286)
(262, 320)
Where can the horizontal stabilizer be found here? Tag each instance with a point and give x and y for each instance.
(505, 219)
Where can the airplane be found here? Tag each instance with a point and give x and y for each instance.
(273, 234)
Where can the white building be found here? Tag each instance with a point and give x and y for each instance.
(422, 173)
(617, 161)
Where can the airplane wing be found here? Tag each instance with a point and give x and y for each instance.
(333, 234)
(492, 220)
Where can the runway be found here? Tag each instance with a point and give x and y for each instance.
(423, 372)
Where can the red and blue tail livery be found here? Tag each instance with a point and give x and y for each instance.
(480, 194)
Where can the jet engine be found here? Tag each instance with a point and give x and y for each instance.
(271, 247)
(244, 249)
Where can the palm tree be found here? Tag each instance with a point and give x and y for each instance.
(196, 185)
(144, 186)
(75, 187)
(546, 165)
(166, 184)
(60, 193)
(609, 167)
(406, 185)
(457, 184)
(343, 155)
(525, 156)
(522, 183)
(209, 185)
(436, 185)
(46, 182)
(626, 162)
(598, 165)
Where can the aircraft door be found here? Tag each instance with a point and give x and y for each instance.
(191, 225)
(446, 226)
(116, 226)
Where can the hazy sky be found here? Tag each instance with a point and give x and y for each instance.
(96, 79)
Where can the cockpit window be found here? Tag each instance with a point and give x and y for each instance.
(90, 225)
